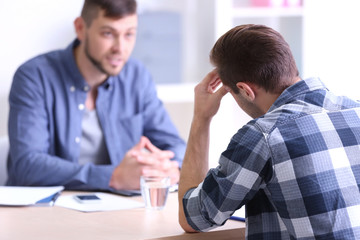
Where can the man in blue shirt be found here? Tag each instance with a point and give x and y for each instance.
(295, 166)
(88, 117)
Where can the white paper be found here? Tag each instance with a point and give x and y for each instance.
(240, 212)
(108, 202)
(22, 196)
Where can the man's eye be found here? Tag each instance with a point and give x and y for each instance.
(107, 34)
(130, 35)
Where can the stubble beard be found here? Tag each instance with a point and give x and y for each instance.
(97, 64)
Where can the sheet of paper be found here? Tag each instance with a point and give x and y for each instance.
(108, 202)
(239, 214)
(22, 196)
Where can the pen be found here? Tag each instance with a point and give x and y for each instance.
(237, 218)
(55, 197)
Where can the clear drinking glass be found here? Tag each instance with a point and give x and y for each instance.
(154, 191)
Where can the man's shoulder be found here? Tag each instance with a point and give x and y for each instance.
(47, 67)
(43, 60)
(280, 116)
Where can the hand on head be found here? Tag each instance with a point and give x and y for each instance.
(144, 159)
(208, 95)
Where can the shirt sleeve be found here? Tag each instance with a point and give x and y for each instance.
(30, 149)
(244, 168)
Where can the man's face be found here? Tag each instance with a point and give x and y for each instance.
(108, 42)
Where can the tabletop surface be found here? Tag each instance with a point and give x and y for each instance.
(54, 223)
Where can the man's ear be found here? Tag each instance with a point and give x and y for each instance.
(246, 91)
(79, 25)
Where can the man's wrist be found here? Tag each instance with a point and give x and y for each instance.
(114, 183)
(199, 120)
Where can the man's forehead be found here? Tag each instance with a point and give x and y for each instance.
(128, 21)
(102, 14)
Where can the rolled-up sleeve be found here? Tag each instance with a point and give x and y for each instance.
(243, 169)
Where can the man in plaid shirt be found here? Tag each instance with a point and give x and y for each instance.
(296, 166)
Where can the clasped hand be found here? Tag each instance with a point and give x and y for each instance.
(147, 160)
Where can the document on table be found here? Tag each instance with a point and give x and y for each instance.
(24, 196)
(108, 202)
(239, 214)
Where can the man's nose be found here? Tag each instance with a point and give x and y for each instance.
(118, 44)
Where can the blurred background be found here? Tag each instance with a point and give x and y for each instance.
(176, 36)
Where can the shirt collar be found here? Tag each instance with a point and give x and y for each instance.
(297, 89)
(77, 80)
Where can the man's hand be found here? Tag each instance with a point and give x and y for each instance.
(208, 97)
(147, 160)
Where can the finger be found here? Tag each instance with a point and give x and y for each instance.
(152, 172)
(151, 147)
(161, 154)
(222, 91)
(214, 84)
(161, 160)
(165, 165)
(164, 155)
(174, 164)
(141, 144)
(209, 77)
(168, 165)
(146, 159)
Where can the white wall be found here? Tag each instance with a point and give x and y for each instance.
(29, 28)
(332, 44)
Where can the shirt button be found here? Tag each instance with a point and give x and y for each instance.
(86, 88)
(81, 106)
(77, 139)
(72, 89)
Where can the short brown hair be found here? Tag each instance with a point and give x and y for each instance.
(113, 9)
(254, 54)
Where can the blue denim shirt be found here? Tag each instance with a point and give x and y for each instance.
(47, 101)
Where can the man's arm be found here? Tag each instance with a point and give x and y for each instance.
(31, 132)
(195, 164)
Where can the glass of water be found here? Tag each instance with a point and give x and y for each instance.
(154, 191)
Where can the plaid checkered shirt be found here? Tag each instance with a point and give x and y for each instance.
(296, 169)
